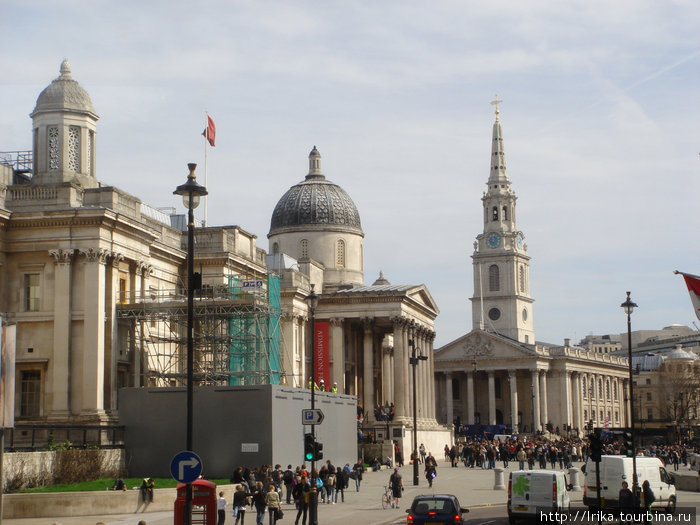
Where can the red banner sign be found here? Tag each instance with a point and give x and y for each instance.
(322, 354)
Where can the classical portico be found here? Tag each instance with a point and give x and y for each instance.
(487, 379)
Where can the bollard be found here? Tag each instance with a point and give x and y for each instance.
(499, 483)
(573, 479)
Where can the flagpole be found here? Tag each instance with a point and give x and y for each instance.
(206, 139)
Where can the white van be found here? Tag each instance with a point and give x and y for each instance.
(616, 469)
(533, 491)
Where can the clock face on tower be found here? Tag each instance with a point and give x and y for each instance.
(494, 240)
(519, 241)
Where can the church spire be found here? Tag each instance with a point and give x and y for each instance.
(498, 173)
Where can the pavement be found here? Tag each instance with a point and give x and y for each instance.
(473, 488)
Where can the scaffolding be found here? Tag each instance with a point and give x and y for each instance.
(236, 333)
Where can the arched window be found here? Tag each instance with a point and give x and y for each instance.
(522, 278)
(304, 249)
(615, 389)
(600, 389)
(505, 213)
(275, 248)
(585, 391)
(494, 278)
(495, 213)
(607, 389)
(340, 254)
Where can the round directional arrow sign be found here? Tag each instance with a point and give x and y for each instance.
(185, 467)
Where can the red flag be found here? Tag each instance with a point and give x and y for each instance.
(693, 284)
(209, 132)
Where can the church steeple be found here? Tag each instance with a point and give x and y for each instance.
(501, 300)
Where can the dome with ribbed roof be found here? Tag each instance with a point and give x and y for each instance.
(679, 353)
(315, 204)
(63, 94)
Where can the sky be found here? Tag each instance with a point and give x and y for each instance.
(600, 118)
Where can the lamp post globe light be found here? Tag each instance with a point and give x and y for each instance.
(628, 306)
(312, 301)
(191, 191)
(413, 360)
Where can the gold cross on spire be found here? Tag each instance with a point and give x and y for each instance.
(496, 102)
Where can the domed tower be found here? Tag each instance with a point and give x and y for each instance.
(64, 126)
(317, 221)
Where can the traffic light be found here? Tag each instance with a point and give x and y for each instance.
(627, 441)
(312, 448)
(318, 447)
(309, 447)
(596, 447)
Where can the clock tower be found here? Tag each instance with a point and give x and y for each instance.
(501, 302)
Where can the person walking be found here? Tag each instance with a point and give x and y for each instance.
(272, 500)
(339, 485)
(288, 479)
(259, 502)
(240, 500)
(357, 470)
(430, 471)
(421, 449)
(396, 485)
(625, 500)
(300, 493)
(649, 498)
(221, 508)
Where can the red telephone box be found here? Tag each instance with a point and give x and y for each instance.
(203, 503)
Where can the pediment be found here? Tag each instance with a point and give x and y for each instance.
(480, 345)
(422, 297)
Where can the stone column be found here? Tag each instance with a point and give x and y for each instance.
(338, 366)
(90, 378)
(59, 373)
(431, 376)
(449, 403)
(400, 377)
(577, 400)
(470, 398)
(424, 392)
(387, 393)
(407, 392)
(543, 398)
(492, 398)
(535, 387)
(112, 297)
(565, 399)
(513, 381)
(368, 369)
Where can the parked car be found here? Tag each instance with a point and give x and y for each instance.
(435, 509)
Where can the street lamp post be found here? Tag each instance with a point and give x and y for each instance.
(191, 192)
(413, 360)
(312, 300)
(628, 306)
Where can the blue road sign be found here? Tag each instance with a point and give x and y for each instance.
(185, 467)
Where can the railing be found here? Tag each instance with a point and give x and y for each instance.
(19, 160)
(29, 438)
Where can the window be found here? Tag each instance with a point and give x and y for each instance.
(648, 396)
(494, 314)
(650, 414)
(615, 388)
(494, 278)
(600, 389)
(275, 248)
(607, 389)
(648, 381)
(30, 393)
(495, 213)
(74, 148)
(122, 290)
(54, 148)
(617, 416)
(304, 249)
(32, 297)
(585, 390)
(505, 213)
(340, 254)
(585, 415)
(521, 276)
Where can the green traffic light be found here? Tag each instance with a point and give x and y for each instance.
(309, 456)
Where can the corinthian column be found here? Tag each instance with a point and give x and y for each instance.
(368, 371)
(400, 362)
(59, 365)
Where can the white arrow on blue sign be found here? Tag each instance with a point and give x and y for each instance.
(185, 467)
